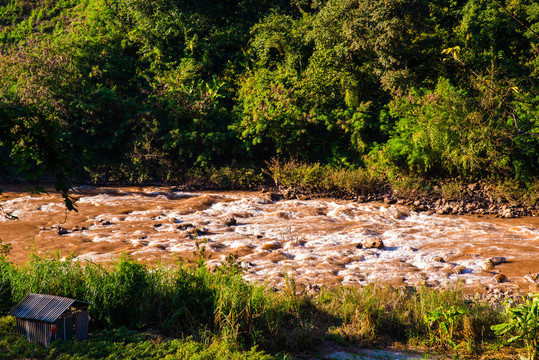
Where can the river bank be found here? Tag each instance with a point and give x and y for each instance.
(504, 198)
(314, 260)
(476, 198)
(218, 308)
(320, 242)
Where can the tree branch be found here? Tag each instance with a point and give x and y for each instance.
(516, 19)
(520, 132)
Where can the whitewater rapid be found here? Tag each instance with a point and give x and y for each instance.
(319, 242)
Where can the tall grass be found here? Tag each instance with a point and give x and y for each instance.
(189, 300)
(321, 179)
(184, 300)
(233, 176)
(381, 315)
(328, 180)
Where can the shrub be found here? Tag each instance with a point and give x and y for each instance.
(523, 325)
(445, 132)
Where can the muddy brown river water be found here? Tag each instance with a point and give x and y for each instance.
(316, 240)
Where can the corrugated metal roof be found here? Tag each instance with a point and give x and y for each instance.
(42, 307)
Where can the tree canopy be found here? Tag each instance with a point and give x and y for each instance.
(135, 90)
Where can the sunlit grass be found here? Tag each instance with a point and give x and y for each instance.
(218, 307)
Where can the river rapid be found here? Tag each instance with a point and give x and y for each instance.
(320, 241)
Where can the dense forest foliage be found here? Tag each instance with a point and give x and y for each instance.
(136, 90)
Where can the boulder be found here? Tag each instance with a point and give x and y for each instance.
(288, 194)
(389, 200)
(185, 226)
(247, 265)
(497, 260)
(473, 187)
(273, 196)
(459, 269)
(62, 231)
(373, 244)
(230, 221)
(195, 232)
(507, 213)
(500, 278)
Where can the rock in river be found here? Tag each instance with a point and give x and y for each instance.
(373, 244)
(497, 260)
(62, 231)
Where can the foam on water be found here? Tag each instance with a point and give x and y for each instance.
(317, 240)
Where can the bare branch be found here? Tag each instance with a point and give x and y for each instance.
(516, 19)
(520, 132)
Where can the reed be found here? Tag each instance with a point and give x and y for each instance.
(189, 300)
(382, 315)
(184, 300)
(321, 179)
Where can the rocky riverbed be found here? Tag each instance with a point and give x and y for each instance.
(478, 198)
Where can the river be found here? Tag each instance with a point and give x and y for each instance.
(319, 242)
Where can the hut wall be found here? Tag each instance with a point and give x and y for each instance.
(38, 332)
(81, 324)
(64, 328)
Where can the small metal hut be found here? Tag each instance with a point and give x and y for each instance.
(45, 318)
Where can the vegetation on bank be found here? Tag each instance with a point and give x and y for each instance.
(131, 91)
(348, 96)
(503, 197)
(120, 344)
(230, 316)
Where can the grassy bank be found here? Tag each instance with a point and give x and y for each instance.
(120, 344)
(329, 180)
(503, 197)
(220, 309)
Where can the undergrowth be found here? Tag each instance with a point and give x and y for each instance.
(217, 311)
(322, 179)
(121, 343)
(345, 182)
